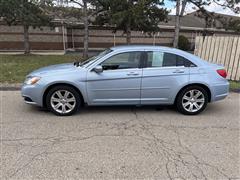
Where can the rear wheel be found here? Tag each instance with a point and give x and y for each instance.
(192, 100)
(63, 100)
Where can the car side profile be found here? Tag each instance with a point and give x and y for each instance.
(128, 75)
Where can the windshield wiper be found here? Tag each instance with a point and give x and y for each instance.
(77, 63)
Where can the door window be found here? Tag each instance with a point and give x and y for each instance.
(161, 59)
(125, 60)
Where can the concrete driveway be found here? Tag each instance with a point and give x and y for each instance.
(119, 142)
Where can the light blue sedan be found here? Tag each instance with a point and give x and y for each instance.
(128, 75)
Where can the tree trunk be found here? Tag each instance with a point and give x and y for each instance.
(184, 3)
(26, 39)
(86, 30)
(128, 33)
(177, 24)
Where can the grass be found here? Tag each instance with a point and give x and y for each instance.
(14, 68)
(235, 85)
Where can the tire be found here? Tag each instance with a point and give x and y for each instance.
(192, 100)
(63, 100)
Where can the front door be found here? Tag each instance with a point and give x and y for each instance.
(119, 83)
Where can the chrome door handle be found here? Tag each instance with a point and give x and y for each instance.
(178, 71)
(132, 74)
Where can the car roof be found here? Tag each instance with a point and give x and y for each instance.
(139, 47)
(148, 47)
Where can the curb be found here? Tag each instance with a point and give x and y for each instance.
(10, 87)
(235, 90)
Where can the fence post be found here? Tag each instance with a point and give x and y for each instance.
(236, 59)
(233, 52)
(211, 49)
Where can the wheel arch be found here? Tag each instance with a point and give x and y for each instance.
(60, 84)
(196, 84)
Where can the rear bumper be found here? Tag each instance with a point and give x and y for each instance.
(219, 91)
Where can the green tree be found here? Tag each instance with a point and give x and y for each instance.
(129, 15)
(233, 25)
(25, 12)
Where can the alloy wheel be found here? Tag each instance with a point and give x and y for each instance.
(193, 100)
(63, 101)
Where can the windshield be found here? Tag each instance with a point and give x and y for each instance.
(94, 58)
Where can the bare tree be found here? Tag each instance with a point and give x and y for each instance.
(180, 8)
(84, 4)
(200, 4)
(86, 29)
(177, 24)
(82, 10)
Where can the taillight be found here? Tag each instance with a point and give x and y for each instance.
(222, 73)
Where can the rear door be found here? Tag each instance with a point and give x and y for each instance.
(163, 75)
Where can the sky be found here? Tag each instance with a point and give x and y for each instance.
(212, 8)
(170, 5)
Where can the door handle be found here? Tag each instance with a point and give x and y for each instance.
(132, 74)
(178, 71)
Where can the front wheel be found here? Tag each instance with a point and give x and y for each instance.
(63, 100)
(192, 100)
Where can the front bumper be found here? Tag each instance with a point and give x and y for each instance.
(32, 94)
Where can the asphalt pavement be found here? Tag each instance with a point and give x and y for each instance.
(119, 142)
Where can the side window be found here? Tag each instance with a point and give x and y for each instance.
(160, 59)
(181, 61)
(155, 59)
(122, 61)
(169, 60)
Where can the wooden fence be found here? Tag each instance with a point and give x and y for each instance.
(223, 50)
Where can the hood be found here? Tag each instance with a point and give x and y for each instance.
(54, 69)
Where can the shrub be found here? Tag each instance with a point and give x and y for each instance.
(183, 43)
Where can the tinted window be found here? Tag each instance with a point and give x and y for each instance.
(160, 59)
(181, 61)
(169, 60)
(122, 61)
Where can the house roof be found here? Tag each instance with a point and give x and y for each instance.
(194, 19)
(186, 21)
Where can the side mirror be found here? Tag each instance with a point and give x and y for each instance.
(98, 69)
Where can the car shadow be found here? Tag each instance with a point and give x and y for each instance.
(211, 109)
(112, 109)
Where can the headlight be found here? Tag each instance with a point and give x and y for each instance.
(32, 80)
